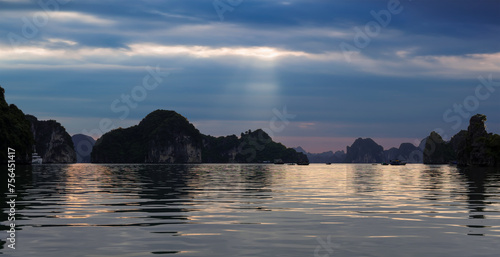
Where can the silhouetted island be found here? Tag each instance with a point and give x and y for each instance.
(52, 142)
(15, 132)
(471, 147)
(168, 137)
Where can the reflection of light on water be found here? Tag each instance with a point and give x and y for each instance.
(168, 209)
(87, 194)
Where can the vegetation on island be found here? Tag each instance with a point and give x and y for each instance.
(52, 142)
(146, 141)
(15, 132)
(166, 136)
(471, 147)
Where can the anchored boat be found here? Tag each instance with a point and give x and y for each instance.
(36, 159)
(397, 162)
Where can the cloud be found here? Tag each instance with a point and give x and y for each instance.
(211, 52)
(264, 55)
(77, 17)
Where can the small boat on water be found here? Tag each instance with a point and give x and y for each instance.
(328, 163)
(278, 161)
(36, 159)
(302, 163)
(397, 162)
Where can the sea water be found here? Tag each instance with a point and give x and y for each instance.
(254, 210)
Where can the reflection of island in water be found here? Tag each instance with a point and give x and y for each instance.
(478, 181)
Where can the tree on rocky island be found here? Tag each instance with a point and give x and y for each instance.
(14, 132)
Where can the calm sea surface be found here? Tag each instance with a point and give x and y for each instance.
(254, 210)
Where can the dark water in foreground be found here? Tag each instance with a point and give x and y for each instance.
(255, 210)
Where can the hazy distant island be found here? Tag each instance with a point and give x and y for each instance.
(167, 137)
(83, 147)
(366, 150)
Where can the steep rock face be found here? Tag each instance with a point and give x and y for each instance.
(479, 148)
(364, 151)
(458, 141)
(83, 147)
(392, 154)
(471, 147)
(52, 142)
(437, 151)
(14, 132)
(406, 151)
(410, 153)
(167, 137)
(181, 149)
(161, 137)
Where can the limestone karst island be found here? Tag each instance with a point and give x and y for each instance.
(168, 137)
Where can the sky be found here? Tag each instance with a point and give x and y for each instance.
(316, 74)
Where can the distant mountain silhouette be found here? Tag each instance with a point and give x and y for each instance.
(364, 151)
(406, 152)
(83, 147)
(325, 157)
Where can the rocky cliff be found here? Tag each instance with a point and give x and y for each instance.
(83, 147)
(14, 132)
(471, 147)
(167, 137)
(406, 151)
(437, 151)
(364, 151)
(161, 137)
(478, 147)
(52, 142)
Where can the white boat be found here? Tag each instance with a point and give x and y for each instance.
(36, 159)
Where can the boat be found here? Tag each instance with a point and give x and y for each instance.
(397, 162)
(302, 163)
(328, 163)
(278, 161)
(385, 163)
(36, 159)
